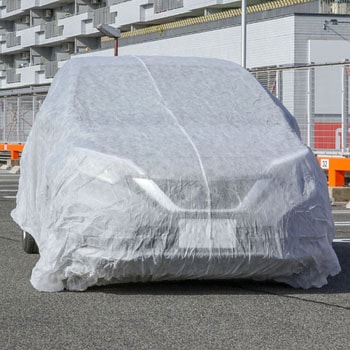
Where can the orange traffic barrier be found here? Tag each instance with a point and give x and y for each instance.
(14, 148)
(336, 167)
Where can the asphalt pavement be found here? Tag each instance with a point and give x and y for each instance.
(177, 315)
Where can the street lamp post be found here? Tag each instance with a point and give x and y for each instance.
(111, 32)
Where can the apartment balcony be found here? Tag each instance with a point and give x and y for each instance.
(52, 29)
(58, 30)
(28, 36)
(51, 2)
(28, 75)
(158, 11)
(51, 69)
(102, 16)
(11, 8)
(13, 5)
(162, 6)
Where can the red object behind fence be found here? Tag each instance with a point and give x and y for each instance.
(328, 136)
(14, 149)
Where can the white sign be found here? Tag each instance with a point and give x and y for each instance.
(324, 163)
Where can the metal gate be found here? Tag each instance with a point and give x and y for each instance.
(17, 114)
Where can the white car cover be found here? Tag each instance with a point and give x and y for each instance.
(159, 168)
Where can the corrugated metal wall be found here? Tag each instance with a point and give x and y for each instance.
(269, 42)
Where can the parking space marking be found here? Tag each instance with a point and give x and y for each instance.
(8, 185)
(342, 223)
(341, 211)
(341, 240)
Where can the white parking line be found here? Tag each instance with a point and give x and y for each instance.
(341, 211)
(342, 240)
(342, 223)
(9, 197)
(8, 190)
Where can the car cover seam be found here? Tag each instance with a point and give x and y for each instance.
(182, 129)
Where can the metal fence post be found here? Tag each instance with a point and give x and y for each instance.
(345, 109)
(310, 107)
(3, 136)
(18, 119)
(33, 108)
(279, 85)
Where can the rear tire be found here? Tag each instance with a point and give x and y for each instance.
(28, 243)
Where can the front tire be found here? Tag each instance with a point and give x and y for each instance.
(28, 243)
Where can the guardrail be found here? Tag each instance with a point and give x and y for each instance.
(336, 168)
(14, 149)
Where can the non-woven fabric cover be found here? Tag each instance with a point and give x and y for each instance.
(166, 168)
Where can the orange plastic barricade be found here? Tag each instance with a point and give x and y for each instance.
(336, 167)
(14, 148)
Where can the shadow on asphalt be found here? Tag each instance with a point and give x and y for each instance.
(336, 285)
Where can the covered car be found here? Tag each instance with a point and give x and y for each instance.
(164, 168)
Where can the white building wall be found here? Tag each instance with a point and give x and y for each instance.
(223, 43)
(328, 80)
(317, 43)
(128, 12)
(72, 26)
(268, 43)
(271, 42)
(27, 37)
(308, 27)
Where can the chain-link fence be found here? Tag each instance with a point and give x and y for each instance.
(17, 114)
(318, 97)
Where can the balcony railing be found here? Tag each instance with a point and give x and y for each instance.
(51, 69)
(114, 2)
(102, 16)
(12, 39)
(166, 5)
(52, 29)
(13, 5)
(12, 76)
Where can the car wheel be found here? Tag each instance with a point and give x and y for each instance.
(28, 243)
